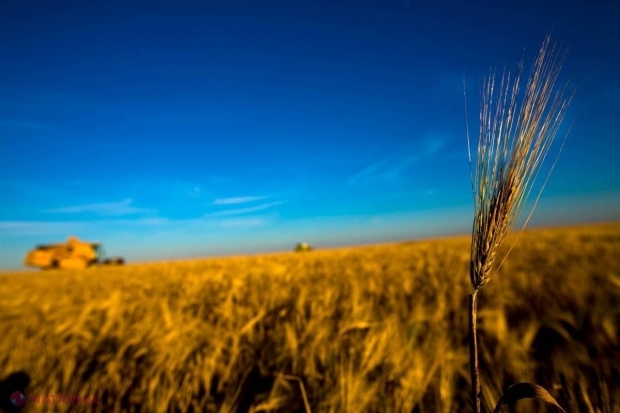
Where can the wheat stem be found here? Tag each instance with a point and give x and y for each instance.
(473, 353)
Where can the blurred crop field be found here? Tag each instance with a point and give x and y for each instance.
(367, 329)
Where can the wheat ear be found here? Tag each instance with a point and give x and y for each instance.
(513, 142)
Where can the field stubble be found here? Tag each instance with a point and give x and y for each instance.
(368, 329)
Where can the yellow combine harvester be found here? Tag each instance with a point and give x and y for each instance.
(74, 254)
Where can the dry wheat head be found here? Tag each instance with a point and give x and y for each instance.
(513, 142)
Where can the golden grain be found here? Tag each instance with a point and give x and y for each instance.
(369, 329)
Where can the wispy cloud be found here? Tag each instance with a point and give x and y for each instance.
(237, 200)
(195, 192)
(389, 169)
(368, 171)
(242, 211)
(38, 228)
(106, 208)
(139, 226)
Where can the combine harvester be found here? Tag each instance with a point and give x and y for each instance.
(74, 254)
(303, 247)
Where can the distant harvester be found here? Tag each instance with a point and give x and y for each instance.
(303, 246)
(74, 254)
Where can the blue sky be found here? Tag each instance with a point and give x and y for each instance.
(185, 129)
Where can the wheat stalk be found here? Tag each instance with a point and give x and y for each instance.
(513, 142)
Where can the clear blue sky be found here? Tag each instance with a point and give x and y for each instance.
(171, 129)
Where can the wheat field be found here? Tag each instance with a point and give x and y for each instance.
(366, 329)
